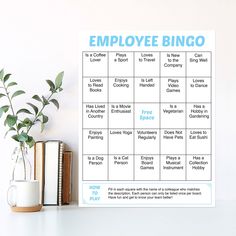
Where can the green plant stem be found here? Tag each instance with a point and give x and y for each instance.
(21, 143)
(9, 99)
(39, 113)
(13, 171)
(10, 103)
(22, 146)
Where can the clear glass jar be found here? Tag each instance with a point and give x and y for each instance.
(21, 166)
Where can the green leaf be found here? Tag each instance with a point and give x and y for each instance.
(59, 78)
(34, 108)
(30, 142)
(27, 122)
(1, 74)
(3, 109)
(55, 102)
(45, 101)
(11, 129)
(11, 84)
(60, 89)
(51, 85)
(6, 77)
(11, 120)
(36, 97)
(24, 111)
(23, 137)
(17, 93)
(42, 126)
(2, 95)
(44, 119)
(5, 122)
(20, 126)
(15, 137)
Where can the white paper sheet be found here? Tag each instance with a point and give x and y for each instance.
(147, 119)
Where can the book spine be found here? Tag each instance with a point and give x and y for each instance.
(60, 174)
(67, 172)
(43, 173)
(39, 168)
(35, 161)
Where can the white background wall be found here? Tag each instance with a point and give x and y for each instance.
(40, 38)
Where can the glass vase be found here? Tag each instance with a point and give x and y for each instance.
(21, 166)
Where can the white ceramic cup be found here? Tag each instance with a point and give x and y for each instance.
(23, 193)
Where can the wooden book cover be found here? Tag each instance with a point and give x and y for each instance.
(67, 178)
(39, 167)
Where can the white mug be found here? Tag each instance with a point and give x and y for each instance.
(23, 193)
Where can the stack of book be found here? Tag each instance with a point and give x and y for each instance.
(53, 168)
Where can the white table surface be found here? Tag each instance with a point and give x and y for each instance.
(71, 220)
